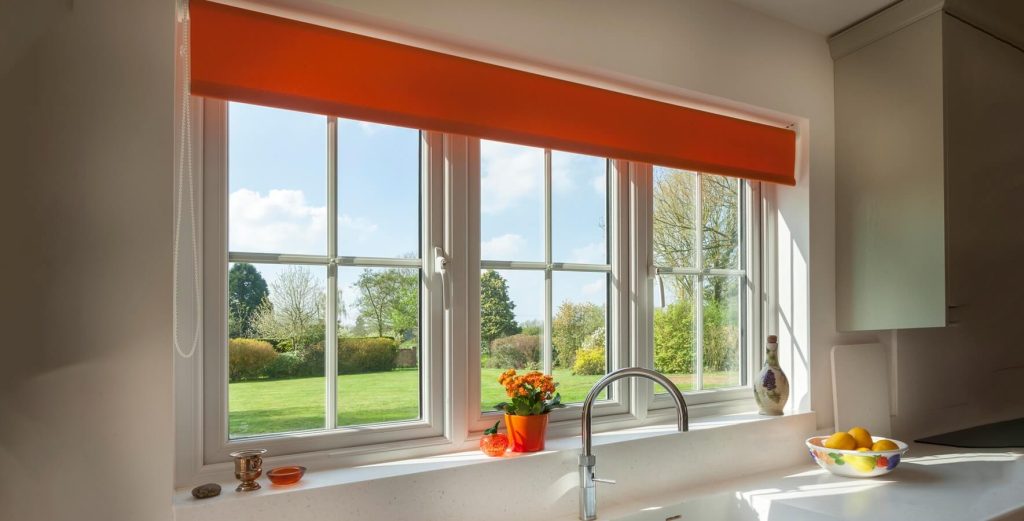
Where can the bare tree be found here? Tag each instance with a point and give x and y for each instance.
(295, 309)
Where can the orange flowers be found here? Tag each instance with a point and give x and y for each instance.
(531, 393)
(527, 384)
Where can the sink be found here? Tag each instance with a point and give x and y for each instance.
(721, 507)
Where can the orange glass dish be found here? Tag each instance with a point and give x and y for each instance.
(286, 475)
(493, 443)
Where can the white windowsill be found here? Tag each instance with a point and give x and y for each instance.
(560, 446)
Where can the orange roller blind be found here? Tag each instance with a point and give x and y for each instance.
(251, 57)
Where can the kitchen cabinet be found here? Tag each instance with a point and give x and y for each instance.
(928, 175)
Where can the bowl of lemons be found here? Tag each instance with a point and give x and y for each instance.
(856, 453)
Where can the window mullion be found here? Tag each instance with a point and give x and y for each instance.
(548, 307)
(331, 317)
(698, 310)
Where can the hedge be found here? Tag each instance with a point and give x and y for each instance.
(367, 355)
(251, 358)
(248, 358)
(515, 352)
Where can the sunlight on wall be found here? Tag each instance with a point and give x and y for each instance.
(792, 315)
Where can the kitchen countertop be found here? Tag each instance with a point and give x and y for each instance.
(932, 483)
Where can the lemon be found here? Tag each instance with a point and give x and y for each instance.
(841, 441)
(862, 436)
(863, 449)
(881, 445)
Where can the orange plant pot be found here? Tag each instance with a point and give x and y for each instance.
(526, 433)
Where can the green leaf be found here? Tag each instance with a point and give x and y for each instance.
(493, 430)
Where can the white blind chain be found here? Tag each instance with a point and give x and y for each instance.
(185, 171)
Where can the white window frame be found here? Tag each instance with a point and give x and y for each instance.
(430, 427)
(453, 419)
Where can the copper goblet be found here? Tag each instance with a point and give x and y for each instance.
(248, 467)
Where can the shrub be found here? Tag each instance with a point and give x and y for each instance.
(515, 352)
(288, 365)
(721, 339)
(589, 361)
(407, 358)
(248, 358)
(312, 357)
(673, 338)
(367, 355)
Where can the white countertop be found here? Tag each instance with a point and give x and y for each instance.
(932, 483)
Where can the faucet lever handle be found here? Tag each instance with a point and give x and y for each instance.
(606, 481)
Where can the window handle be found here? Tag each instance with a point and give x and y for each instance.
(661, 287)
(441, 268)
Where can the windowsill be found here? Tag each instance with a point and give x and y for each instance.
(558, 447)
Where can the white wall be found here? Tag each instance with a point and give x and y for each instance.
(86, 137)
(711, 47)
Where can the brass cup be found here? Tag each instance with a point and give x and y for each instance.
(248, 468)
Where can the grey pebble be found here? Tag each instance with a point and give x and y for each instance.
(205, 491)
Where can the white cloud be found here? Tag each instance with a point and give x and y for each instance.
(595, 291)
(369, 128)
(280, 222)
(510, 173)
(593, 253)
(600, 184)
(502, 247)
(358, 228)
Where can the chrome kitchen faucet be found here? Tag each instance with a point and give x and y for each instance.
(588, 477)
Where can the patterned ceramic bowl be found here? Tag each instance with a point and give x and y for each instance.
(856, 464)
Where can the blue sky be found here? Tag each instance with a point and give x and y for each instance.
(278, 203)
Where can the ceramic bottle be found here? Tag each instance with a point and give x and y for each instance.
(771, 389)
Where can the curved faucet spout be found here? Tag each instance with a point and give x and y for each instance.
(588, 479)
(682, 415)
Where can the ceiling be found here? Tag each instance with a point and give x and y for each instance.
(825, 17)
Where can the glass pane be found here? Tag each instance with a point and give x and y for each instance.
(511, 202)
(511, 327)
(674, 337)
(277, 180)
(720, 198)
(579, 208)
(722, 326)
(579, 332)
(674, 214)
(378, 345)
(275, 348)
(378, 190)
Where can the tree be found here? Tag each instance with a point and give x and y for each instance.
(572, 325)
(497, 311)
(675, 194)
(389, 301)
(295, 308)
(673, 337)
(246, 292)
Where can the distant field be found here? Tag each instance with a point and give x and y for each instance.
(290, 405)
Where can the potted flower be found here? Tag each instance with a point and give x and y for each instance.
(526, 414)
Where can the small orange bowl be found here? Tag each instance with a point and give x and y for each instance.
(286, 475)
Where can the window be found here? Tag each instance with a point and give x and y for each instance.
(701, 305)
(328, 328)
(325, 299)
(545, 268)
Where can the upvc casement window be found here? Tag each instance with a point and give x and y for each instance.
(327, 326)
(318, 283)
(552, 270)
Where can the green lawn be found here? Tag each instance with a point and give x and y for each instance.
(263, 407)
